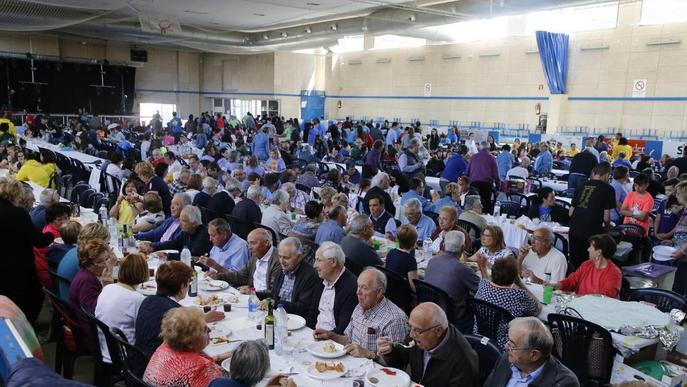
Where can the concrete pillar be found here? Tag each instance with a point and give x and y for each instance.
(368, 42)
(557, 112)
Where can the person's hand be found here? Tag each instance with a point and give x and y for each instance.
(145, 247)
(244, 289)
(281, 381)
(321, 334)
(384, 346)
(526, 273)
(481, 260)
(207, 261)
(356, 350)
(214, 316)
(524, 250)
(212, 274)
(678, 253)
(263, 304)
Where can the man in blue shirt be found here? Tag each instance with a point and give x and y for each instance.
(544, 162)
(175, 124)
(316, 130)
(393, 134)
(413, 215)
(417, 189)
(332, 229)
(505, 161)
(455, 165)
(261, 145)
(229, 252)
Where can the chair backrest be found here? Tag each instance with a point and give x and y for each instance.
(275, 237)
(71, 320)
(96, 201)
(584, 347)
(523, 200)
(535, 183)
(303, 187)
(77, 190)
(427, 292)
(397, 289)
(59, 281)
(563, 203)
(66, 182)
(98, 327)
(488, 317)
(132, 358)
(208, 215)
(434, 216)
(86, 198)
(511, 208)
(665, 300)
(472, 229)
(101, 202)
(561, 243)
(488, 354)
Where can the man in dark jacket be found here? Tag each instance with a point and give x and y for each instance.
(441, 357)
(194, 236)
(380, 183)
(248, 210)
(359, 253)
(527, 358)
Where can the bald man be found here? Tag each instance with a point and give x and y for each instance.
(439, 357)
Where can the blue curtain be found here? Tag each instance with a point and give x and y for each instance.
(553, 52)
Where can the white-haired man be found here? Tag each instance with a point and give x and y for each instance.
(413, 215)
(275, 216)
(48, 198)
(380, 183)
(194, 236)
(542, 262)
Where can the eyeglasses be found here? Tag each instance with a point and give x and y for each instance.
(417, 331)
(510, 346)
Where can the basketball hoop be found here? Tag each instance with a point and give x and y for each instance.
(164, 25)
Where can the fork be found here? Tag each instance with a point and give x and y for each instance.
(411, 344)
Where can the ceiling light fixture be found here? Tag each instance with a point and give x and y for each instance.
(411, 18)
(308, 30)
(265, 36)
(333, 27)
(284, 35)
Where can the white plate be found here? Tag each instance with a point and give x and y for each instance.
(149, 288)
(219, 332)
(168, 251)
(238, 300)
(663, 253)
(327, 375)
(213, 285)
(401, 379)
(276, 367)
(295, 322)
(317, 349)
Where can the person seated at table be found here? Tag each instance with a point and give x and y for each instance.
(638, 204)
(193, 236)
(541, 262)
(47, 198)
(326, 198)
(451, 198)
(441, 357)
(309, 177)
(597, 275)
(169, 229)
(416, 191)
(357, 246)
(297, 198)
(194, 186)
(341, 199)
(545, 208)
(622, 161)
(145, 172)
(401, 260)
(69, 265)
(383, 222)
(128, 205)
(413, 215)
(507, 291)
(295, 284)
(527, 359)
(56, 215)
(493, 246)
(667, 216)
(209, 187)
(447, 222)
(118, 304)
(69, 232)
(275, 216)
(274, 163)
(261, 269)
(307, 227)
(95, 262)
(450, 275)
(521, 170)
(180, 359)
(380, 183)
(333, 228)
(374, 316)
(180, 184)
(229, 252)
(32, 170)
(473, 212)
(335, 297)
(250, 364)
(151, 216)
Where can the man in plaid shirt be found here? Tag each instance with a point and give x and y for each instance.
(374, 317)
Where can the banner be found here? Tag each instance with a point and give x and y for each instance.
(673, 148)
(637, 145)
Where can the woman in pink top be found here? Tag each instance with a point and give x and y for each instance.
(598, 275)
(179, 361)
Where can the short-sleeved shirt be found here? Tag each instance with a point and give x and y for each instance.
(590, 201)
(400, 262)
(668, 218)
(620, 195)
(499, 254)
(382, 320)
(636, 202)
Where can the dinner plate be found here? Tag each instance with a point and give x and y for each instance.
(219, 332)
(326, 375)
(213, 285)
(663, 253)
(317, 349)
(238, 300)
(168, 251)
(295, 322)
(378, 378)
(149, 288)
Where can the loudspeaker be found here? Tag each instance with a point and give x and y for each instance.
(139, 55)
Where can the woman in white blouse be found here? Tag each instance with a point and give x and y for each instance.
(493, 246)
(118, 303)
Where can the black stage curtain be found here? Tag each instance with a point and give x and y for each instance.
(65, 87)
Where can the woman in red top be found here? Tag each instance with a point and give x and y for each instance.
(179, 361)
(55, 216)
(598, 275)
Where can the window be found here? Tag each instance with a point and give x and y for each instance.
(474, 30)
(147, 110)
(574, 19)
(239, 107)
(349, 44)
(663, 11)
(397, 41)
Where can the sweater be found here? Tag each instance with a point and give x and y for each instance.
(587, 279)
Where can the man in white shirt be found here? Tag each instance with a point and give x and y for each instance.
(542, 262)
(520, 170)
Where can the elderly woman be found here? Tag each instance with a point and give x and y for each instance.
(597, 275)
(545, 208)
(276, 216)
(179, 361)
(307, 227)
(209, 188)
(118, 304)
(144, 170)
(19, 237)
(451, 197)
(69, 265)
(341, 199)
(447, 222)
(507, 291)
(95, 261)
(493, 247)
(401, 260)
(275, 163)
(424, 224)
(473, 211)
(152, 215)
(129, 204)
(249, 365)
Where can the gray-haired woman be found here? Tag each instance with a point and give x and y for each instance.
(249, 365)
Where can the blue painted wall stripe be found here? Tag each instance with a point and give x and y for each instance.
(627, 99)
(436, 97)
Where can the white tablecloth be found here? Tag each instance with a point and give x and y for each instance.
(514, 235)
(87, 159)
(556, 185)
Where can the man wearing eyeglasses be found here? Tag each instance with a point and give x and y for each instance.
(527, 359)
(438, 354)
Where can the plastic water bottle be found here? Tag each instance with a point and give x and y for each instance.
(112, 229)
(427, 248)
(282, 329)
(186, 257)
(253, 305)
(103, 216)
(497, 209)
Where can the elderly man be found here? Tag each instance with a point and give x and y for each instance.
(383, 222)
(248, 210)
(483, 172)
(521, 170)
(193, 236)
(48, 198)
(335, 297)
(222, 202)
(203, 197)
(180, 184)
(239, 174)
(309, 178)
(416, 191)
(332, 229)
(473, 212)
(169, 229)
(275, 216)
(229, 252)
(450, 275)
(542, 262)
(408, 162)
(357, 246)
(424, 224)
(297, 198)
(441, 357)
(294, 286)
(28, 199)
(261, 269)
(544, 161)
(375, 316)
(527, 359)
(380, 183)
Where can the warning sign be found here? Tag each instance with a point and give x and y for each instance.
(639, 88)
(428, 89)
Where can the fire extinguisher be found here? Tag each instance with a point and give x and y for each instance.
(537, 108)
(339, 104)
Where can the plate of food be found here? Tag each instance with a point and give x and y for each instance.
(149, 288)
(327, 349)
(387, 377)
(212, 285)
(295, 322)
(213, 300)
(326, 370)
(238, 300)
(220, 335)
